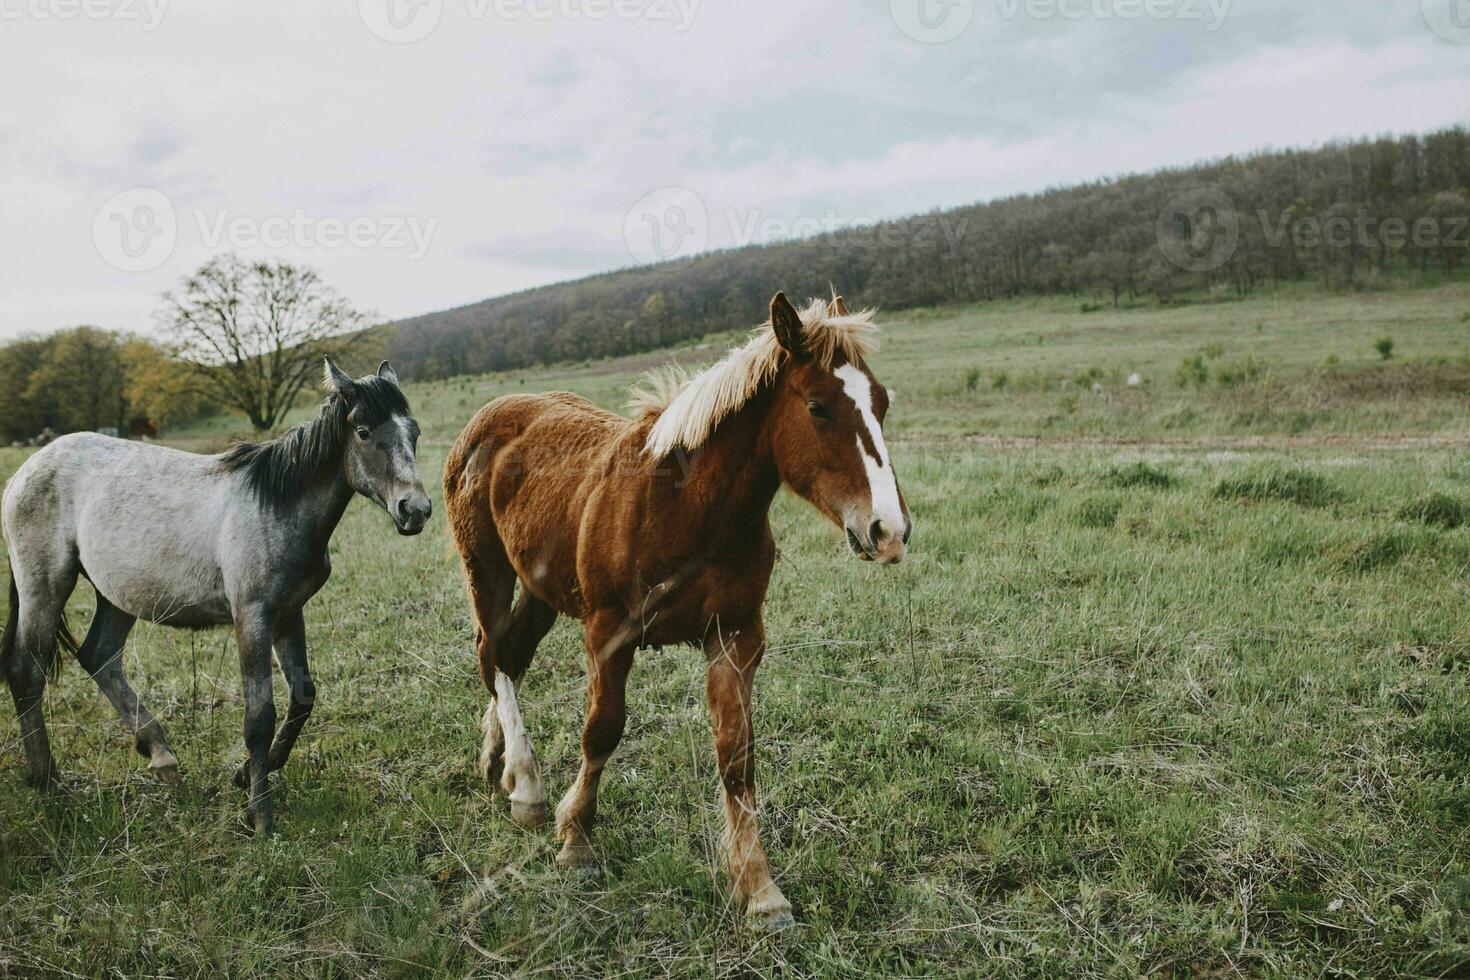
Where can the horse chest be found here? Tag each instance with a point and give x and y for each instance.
(684, 600)
(313, 574)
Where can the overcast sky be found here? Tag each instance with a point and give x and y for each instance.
(522, 142)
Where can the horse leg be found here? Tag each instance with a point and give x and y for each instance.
(609, 658)
(253, 634)
(506, 749)
(486, 573)
(101, 656)
(37, 602)
(733, 657)
(530, 621)
(290, 645)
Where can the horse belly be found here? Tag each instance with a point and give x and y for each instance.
(170, 596)
(164, 573)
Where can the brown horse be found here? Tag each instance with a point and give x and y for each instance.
(656, 531)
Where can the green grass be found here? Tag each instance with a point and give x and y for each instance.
(1145, 698)
(1271, 482)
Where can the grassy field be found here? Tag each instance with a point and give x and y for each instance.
(1172, 683)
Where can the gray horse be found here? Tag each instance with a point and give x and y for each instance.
(195, 541)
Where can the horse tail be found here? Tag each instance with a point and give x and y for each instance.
(12, 626)
(10, 637)
(65, 643)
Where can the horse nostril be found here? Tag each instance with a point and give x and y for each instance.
(875, 532)
(908, 529)
(402, 508)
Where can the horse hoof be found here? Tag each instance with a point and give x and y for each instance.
(773, 921)
(528, 815)
(580, 858)
(166, 774)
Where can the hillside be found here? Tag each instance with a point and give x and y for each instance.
(1291, 365)
(1348, 215)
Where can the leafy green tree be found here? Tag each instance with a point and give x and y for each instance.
(159, 388)
(79, 382)
(21, 417)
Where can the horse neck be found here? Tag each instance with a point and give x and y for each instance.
(734, 475)
(324, 499)
(322, 505)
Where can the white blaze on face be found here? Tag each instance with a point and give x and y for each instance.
(882, 482)
(404, 466)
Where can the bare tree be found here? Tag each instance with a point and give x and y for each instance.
(254, 333)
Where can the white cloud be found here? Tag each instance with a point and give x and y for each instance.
(527, 141)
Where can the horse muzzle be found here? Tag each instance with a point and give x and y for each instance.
(880, 541)
(411, 512)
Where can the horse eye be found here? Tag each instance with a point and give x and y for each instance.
(818, 410)
(363, 432)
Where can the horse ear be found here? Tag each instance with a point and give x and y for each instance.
(785, 321)
(839, 306)
(333, 379)
(386, 372)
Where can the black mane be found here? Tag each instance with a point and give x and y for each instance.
(278, 471)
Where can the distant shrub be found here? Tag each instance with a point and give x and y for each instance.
(1140, 475)
(1238, 372)
(1384, 346)
(972, 379)
(1267, 482)
(1438, 510)
(1085, 379)
(999, 380)
(1192, 371)
(1098, 513)
(1091, 307)
(1213, 352)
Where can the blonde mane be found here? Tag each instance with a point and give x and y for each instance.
(688, 409)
